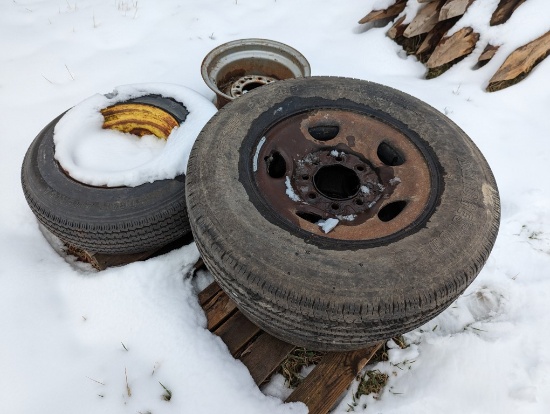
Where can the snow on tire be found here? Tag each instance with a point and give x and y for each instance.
(337, 212)
(116, 209)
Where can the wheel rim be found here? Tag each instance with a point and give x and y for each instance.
(250, 63)
(139, 119)
(342, 165)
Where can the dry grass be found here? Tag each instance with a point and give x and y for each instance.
(371, 383)
(295, 361)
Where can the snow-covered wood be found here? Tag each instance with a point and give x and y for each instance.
(391, 11)
(432, 39)
(487, 54)
(425, 38)
(397, 29)
(504, 10)
(460, 44)
(262, 354)
(425, 20)
(325, 384)
(520, 62)
(454, 8)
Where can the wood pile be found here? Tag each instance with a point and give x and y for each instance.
(427, 37)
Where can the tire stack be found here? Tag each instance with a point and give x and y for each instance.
(335, 212)
(107, 220)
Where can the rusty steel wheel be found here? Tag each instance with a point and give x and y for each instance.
(109, 220)
(337, 213)
(142, 117)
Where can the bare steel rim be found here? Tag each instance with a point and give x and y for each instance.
(237, 67)
(331, 167)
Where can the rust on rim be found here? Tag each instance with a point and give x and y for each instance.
(139, 119)
(342, 165)
(247, 83)
(236, 67)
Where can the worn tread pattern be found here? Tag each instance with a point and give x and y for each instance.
(337, 299)
(120, 220)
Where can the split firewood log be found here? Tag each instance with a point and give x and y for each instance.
(454, 8)
(390, 12)
(486, 55)
(454, 47)
(520, 63)
(397, 29)
(425, 20)
(504, 10)
(433, 38)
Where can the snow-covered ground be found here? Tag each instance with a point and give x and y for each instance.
(73, 340)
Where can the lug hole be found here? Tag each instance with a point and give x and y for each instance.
(324, 132)
(360, 168)
(276, 165)
(389, 155)
(312, 196)
(338, 158)
(391, 210)
(305, 177)
(335, 206)
(358, 201)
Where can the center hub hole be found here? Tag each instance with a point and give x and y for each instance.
(252, 85)
(337, 182)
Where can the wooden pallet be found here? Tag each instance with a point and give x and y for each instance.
(260, 352)
(263, 354)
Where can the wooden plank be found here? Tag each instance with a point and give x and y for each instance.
(218, 309)
(390, 12)
(237, 332)
(264, 356)
(520, 62)
(504, 11)
(454, 8)
(102, 261)
(208, 293)
(425, 20)
(330, 378)
(458, 45)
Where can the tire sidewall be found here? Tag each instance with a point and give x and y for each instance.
(80, 214)
(268, 266)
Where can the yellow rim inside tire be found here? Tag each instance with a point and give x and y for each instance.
(139, 119)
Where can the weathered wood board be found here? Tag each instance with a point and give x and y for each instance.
(263, 354)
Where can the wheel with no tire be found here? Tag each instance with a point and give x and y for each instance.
(337, 212)
(109, 220)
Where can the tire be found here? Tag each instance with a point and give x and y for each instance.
(419, 210)
(108, 220)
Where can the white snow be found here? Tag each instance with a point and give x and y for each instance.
(63, 324)
(328, 224)
(349, 217)
(97, 156)
(395, 181)
(256, 154)
(290, 191)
